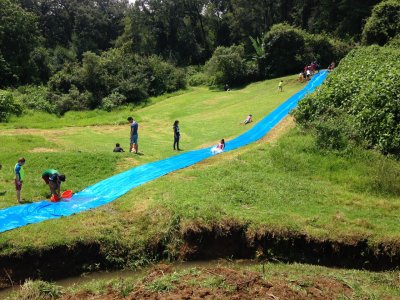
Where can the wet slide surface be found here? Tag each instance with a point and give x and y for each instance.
(114, 187)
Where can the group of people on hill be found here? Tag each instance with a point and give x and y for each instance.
(134, 136)
(51, 177)
(54, 178)
(308, 71)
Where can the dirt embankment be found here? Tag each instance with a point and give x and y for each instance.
(198, 241)
(222, 283)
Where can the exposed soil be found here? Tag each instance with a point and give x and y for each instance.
(42, 150)
(201, 242)
(223, 283)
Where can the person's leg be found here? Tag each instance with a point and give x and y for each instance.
(18, 187)
(177, 143)
(53, 188)
(135, 143)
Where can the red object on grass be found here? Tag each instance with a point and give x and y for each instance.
(67, 194)
(54, 198)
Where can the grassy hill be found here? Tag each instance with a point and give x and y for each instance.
(282, 186)
(80, 143)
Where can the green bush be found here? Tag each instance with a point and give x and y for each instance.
(35, 98)
(384, 23)
(164, 77)
(113, 78)
(8, 106)
(112, 101)
(288, 49)
(228, 65)
(362, 96)
(284, 50)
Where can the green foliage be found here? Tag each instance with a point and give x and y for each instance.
(362, 97)
(111, 79)
(165, 78)
(8, 106)
(384, 23)
(112, 101)
(19, 36)
(228, 65)
(300, 48)
(35, 98)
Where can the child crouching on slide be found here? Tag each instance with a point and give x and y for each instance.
(218, 148)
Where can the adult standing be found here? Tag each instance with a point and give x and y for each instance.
(177, 135)
(134, 135)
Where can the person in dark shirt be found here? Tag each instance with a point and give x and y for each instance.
(134, 135)
(118, 148)
(177, 135)
(53, 178)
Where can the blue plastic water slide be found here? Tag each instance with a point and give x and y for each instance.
(114, 187)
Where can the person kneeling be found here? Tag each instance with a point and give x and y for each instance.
(53, 178)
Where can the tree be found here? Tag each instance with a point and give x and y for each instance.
(19, 36)
(383, 25)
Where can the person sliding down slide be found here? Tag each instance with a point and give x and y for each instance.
(218, 148)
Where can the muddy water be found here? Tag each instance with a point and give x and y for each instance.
(124, 274)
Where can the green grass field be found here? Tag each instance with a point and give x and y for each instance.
(282, 183)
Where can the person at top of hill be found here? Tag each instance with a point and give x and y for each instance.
(219, 147)
(177, 135)
(19, 177)
(118, 148)
(280, 86)
(226, 88)
(331, 66)
(248, 120)
(134, 135)
(53, 178)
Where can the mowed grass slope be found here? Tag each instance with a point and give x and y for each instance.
(85, 155)
(281, 184)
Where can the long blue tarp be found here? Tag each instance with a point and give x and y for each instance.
(114, 187)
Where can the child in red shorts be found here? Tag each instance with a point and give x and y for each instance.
(19, 177)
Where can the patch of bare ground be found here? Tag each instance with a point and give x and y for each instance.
(223, 283)
(42, 150)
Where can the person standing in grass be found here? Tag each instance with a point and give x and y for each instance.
(134, 135)
(53, 178)
(177, 135)
(280, 86)
(19, 177)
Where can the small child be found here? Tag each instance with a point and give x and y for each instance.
(248, 120)
(118, 148)
(280, 86)
(218, 148)
(19, 177)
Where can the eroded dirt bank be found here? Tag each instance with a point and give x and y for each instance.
(199, 242)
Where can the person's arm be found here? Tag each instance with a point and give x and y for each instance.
(58, 188)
